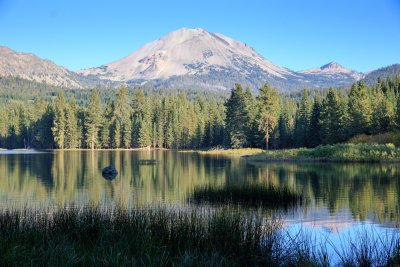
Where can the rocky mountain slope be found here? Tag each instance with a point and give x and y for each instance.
(186, 59)
(193, 57)
(30, 67)
(390, 71)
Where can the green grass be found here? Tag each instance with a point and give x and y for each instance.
(229, 152)
(334, 153)
(163, 237)
(253, 195)
(382, 138)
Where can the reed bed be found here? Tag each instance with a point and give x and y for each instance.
(93, 236)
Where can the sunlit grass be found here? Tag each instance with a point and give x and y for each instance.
(382, 138)
(230, 152)
(334, 153)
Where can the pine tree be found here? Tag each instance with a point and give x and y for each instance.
(106, 124)
(302, 120)
(383, 116)
(269, 109)
(332, 118)
(138, 102)
(359, 109)
(314, 137)
(397, 115)
(237, 118)
(122, 111)
(71, 126)
(145, 127)
(3, 127)
(58, 128)
(93, 120)
(252, 132)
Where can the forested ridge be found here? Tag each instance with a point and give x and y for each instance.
(136, 118)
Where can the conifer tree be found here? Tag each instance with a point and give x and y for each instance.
(58, 128)
(269, 109)
(3, 127)
(332, 118)
(107, 121)
(302, 120)
(145, 127)
(71, 126)
(93, 120)
(314, 137)
(237, 118)
(397, 115)
(359, 109)
(122, 112)
(383, 115)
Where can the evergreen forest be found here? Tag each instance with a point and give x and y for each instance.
(50, 118)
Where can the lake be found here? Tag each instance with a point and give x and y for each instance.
(341, 198)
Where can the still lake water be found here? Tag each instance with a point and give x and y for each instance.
(343, 198)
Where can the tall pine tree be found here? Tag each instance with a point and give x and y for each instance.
(269, 108)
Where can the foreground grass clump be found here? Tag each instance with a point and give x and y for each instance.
(161, 237)
(259, 195)
(104, 237)
(334, 153)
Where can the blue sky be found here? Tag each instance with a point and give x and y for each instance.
(361, 35)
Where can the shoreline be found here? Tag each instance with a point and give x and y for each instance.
(337, 153)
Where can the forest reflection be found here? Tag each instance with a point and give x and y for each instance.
(149, 178)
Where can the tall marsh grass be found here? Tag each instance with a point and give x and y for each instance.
(91, 236)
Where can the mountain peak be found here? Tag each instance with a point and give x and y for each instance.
(334, 70)
(332, 65)
(192, 53)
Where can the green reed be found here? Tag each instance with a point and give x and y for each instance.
(93, 236)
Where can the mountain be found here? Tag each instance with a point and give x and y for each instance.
(196, 58)
(390, 71)
(190, 57)
(32, 68)
(185, 59)
(333, 72)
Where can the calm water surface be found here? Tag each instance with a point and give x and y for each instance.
(343, 197)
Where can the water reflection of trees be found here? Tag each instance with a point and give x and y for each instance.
(75, 176)
(364, 189)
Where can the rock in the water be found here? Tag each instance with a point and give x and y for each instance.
(109, 172)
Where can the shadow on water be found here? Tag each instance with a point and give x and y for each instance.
(248, 195)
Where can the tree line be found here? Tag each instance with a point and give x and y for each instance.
(136, 118)
(312, 118)
(128, 121)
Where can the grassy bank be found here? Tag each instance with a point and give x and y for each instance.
(237, 152)
(382, 138)
(160, 237)
(334, 153)
(253, 195)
